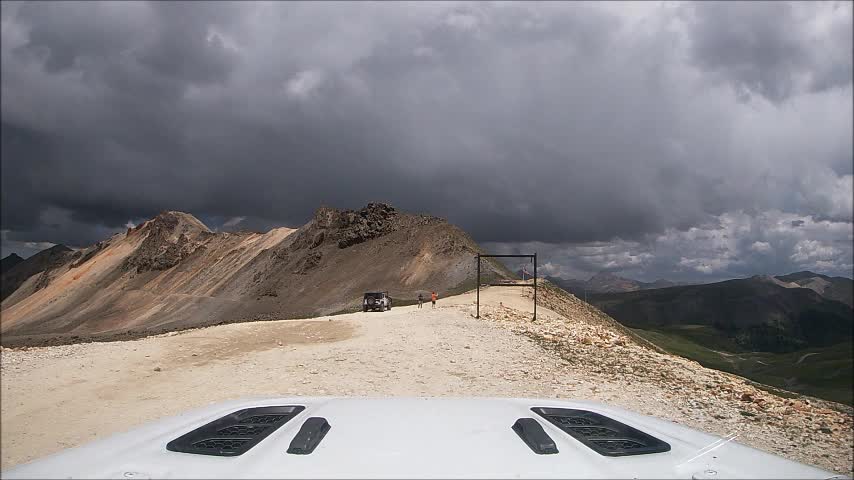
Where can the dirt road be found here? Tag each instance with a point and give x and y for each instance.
(57, 397)
(804, 357)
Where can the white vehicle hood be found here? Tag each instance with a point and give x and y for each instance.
(413, 438)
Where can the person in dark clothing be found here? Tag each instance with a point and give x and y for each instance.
(420, 300)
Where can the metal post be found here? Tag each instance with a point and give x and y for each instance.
(478, 286)
(535, 285)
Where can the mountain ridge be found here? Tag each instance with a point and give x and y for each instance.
(607, 282)
(10, 261)
(840, 289)
(756, 304)
(14, 277)
(172, 272)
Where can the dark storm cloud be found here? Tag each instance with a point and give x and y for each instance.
(768, 49)
(554, 123)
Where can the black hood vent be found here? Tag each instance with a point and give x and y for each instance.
(601, 434)
(235, 433)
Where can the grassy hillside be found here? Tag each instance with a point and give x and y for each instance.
(823, 372)
(792, 338)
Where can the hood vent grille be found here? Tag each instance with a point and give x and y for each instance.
(621, 445)
(235, 433)
(264, 419)
(241, 430)
(223, 444)
(601, 434)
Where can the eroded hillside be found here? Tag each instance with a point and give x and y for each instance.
(172, 272)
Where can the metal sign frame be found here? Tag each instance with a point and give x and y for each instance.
(534, 284)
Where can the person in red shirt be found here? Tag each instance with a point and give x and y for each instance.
(433, 298)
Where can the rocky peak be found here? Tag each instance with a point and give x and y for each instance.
(325, 216)
(174, 224)
(171, 237)
(351, 227)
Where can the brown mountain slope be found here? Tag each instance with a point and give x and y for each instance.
(157, 274)
(172, 273)
(330, 262)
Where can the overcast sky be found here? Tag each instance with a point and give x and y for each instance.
(690, 141)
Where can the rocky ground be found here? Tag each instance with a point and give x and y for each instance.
(61, 396)
(807, 429)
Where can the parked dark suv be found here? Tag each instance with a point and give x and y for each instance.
(376, 301)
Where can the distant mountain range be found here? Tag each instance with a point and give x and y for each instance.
(793, 331)
(834, 288)
(759, 313)
(605, 282)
